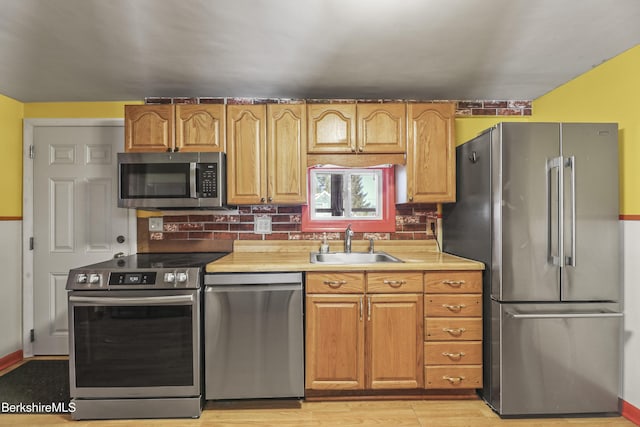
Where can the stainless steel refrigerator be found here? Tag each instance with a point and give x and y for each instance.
(538, 204)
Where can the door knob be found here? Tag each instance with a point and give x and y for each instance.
(120, 239)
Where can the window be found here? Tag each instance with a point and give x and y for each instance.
(340, 196)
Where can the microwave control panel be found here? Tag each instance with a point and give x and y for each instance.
(208, 180)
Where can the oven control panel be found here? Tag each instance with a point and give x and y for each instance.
(127, 278)
(163, 278)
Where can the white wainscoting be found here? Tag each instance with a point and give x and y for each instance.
(631, 380)
(11, 287)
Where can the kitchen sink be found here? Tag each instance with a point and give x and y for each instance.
(352, 257)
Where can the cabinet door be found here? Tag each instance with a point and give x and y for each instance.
(200, 127)
(287, 153)
(335, 342)
(332, 128)
(382, 128)
(394, 341)
(149, 128)
(246, 154)
(431, 157)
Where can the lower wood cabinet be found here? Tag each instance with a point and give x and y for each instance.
(453, 330)
(363, 340)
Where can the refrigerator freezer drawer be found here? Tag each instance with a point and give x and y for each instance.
(453, 329)
(453, 377)
(558, 362)
(453, 353)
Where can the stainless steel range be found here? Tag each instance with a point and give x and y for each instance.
(135, 347)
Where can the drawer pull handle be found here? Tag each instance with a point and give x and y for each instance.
(453, 356)
(456, 332)
(454, 283)
(456, 308)
(335, 283)
(453, 380)
(394, 283)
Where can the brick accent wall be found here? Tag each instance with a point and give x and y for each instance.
(463, 108)
(412, 223)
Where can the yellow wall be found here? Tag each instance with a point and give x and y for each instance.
(76, 109)
(11, 113)
(607, 93)
(469, 127)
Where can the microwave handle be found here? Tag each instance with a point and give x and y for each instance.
(193, 173)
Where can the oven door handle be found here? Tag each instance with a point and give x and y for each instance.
(161, 300)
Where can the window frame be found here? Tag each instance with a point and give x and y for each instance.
(387, 222)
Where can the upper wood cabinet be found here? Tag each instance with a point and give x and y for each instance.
(200, 127)
(149, 128)
(266, 150)
(332, 128)
(183, 127)
(382, 128)
(357, 128)
(430, 173)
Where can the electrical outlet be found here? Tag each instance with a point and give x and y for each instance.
(262, 225)
(156, 223)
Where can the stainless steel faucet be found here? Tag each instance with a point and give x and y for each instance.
(348, 234)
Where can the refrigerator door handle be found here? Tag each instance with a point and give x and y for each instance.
(570, 260)
(516, 315)
(557, 164)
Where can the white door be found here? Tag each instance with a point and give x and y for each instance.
(76, 220)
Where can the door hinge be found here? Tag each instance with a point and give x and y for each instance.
(32, 152)
(31, 243)
(32, 335)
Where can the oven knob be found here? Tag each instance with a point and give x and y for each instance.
(94, 279)
(81, 278)
(182, 277)
(169, 277)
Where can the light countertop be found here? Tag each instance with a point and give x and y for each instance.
(267, 256)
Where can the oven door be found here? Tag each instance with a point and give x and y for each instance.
(134, 344)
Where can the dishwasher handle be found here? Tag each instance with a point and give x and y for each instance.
(254, 288)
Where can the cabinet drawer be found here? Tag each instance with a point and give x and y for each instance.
(393, 281)
(465, 282)
(339, 283)
(453, 377)
(453, 353)
(453, 329)
(453, 305)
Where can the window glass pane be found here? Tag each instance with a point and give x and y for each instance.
(364, 195)
(340, 194)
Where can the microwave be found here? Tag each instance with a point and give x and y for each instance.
(171, 180)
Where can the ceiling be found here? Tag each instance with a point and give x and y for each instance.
(101, 50)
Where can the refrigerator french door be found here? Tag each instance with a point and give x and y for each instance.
(538, 204)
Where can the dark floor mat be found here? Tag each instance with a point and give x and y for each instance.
(43, 382)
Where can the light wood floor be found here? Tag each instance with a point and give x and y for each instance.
(433, 413)
(287, 413)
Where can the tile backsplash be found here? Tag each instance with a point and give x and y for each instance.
(412, 223)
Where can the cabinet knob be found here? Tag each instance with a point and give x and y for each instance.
(360, 149)
(262, 200)
(270, 199)
(411, 198)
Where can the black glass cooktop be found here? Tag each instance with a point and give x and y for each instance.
(157, 261)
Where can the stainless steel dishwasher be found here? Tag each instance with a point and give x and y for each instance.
(253, 336)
